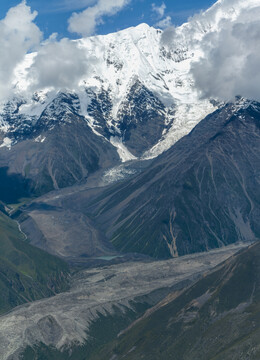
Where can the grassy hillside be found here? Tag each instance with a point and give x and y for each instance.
(218, 318)
(26, 273)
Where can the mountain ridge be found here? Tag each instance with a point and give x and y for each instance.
(200, 194)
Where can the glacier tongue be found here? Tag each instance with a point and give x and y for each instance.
(123, 152)
(187, 116)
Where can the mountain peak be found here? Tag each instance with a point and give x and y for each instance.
(142, 26)
(136, 55)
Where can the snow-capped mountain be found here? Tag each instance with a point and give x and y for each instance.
(135, 94)
(138, 92)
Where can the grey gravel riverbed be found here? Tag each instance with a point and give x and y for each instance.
(64, 320)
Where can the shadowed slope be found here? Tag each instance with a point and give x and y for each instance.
(216, 318)
(201, 194)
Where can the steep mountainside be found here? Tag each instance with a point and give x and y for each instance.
(136, 99)
(125, 166)
(26, 273)
(134, 81)
(201, 194)
(216, 318)
(58, 151)
(134, 90)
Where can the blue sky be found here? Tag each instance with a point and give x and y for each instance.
(53, 15)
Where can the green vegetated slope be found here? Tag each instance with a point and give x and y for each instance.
(26, 273)
(218, 318)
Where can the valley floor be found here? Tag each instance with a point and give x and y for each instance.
(65, 320)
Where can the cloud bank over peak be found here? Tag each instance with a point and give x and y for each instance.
(18, 36)
(49, 64)
(58, 65)
(54, 64)
(231, 57)
(226, 39)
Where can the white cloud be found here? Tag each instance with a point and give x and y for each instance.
(65, 6)
(18, 35)
(159, 10)
(227, 37)
(85, 23)
(53, 64)
(58, 65)
(231, 57)
(164, 23)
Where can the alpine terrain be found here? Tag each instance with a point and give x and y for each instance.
(130, 201)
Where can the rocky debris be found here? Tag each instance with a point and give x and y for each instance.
(64, 320)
